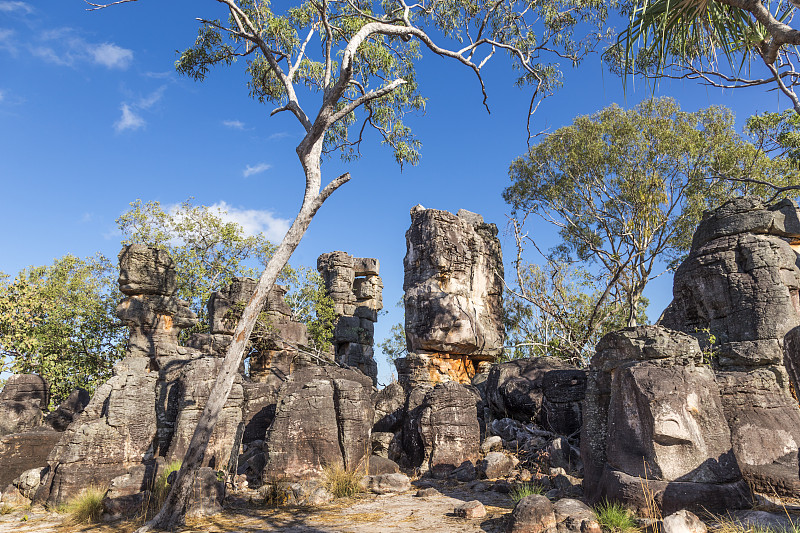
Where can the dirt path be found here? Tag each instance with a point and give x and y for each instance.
(366, 513)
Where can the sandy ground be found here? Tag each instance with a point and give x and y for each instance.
(362, 514)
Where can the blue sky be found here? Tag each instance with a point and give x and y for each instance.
(93, 117)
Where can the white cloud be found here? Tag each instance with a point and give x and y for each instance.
(129, 120)
(150, 100)
(255, 221)
(279, 135)
(9, 6)
(7, 42)
(233, 124)
(65, 47)
(110, 55)
(2, 95)
(257, 169)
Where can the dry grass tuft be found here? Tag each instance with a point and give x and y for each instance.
(342, 483)
(87, 506)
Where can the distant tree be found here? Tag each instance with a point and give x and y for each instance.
(209, 251)
(359, 58)
(395, 346)
(626, 190)
(721, 43)
(58, 321)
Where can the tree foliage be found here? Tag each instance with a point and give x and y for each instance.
(58, 321)
(626, 190)
(722, 43)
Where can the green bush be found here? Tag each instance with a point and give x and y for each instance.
(615, 518)
(527, 488)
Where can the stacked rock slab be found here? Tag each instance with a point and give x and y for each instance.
(453, 297)
(654, 421)
(24, 442)
(740, 285)
(356, 289)
(277, 353)
(323, 420)
(133, 418)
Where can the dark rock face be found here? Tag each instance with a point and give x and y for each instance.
(448, 428)
(68, 410)
(453, 291)
(740, 283)
(20, 452)
(654, 416)
(22, 401)
(357, 292)
(323, 419)
(544, 390)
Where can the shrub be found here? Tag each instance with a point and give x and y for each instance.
(615, 518)
(521, 490)
(342, 483)
(87, 506)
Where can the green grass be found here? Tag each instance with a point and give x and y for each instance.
(86, 506)
(615, 518)
(342, 483)
(160, 489)
(527, 488)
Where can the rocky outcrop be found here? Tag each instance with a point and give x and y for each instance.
(453, 296)
(653, 419)
(448, 427)
(323, 420)
(357, 292)
(544, 390)
(22, 402)
(739, 287)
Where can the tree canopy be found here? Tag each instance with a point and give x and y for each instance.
(59, 321)
(626, 190)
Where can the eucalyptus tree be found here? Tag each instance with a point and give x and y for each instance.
(722, 43)
(354, 61)
(625, 190)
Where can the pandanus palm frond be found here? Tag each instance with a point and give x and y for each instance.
(691, 30)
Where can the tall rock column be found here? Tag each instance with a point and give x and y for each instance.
(453, 297)
(356, 289)
(740, 284)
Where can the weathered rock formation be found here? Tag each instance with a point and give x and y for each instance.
(22, 402)
(453, 297)
(740, 285)
(146, 412)
(356, 289)
(323, 420)
(653, 420)
(544, 390)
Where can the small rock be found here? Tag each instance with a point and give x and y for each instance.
(532, 514)
(552, 494)
(386, 483)
(525, 475)
(382, 465)
(498, 464)
(502, 486)
(464, 473)
(473, 509)
(567, 485)
(492, 444)
(478, 486)
(574, 516)
(683, 521)
(427, 492)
